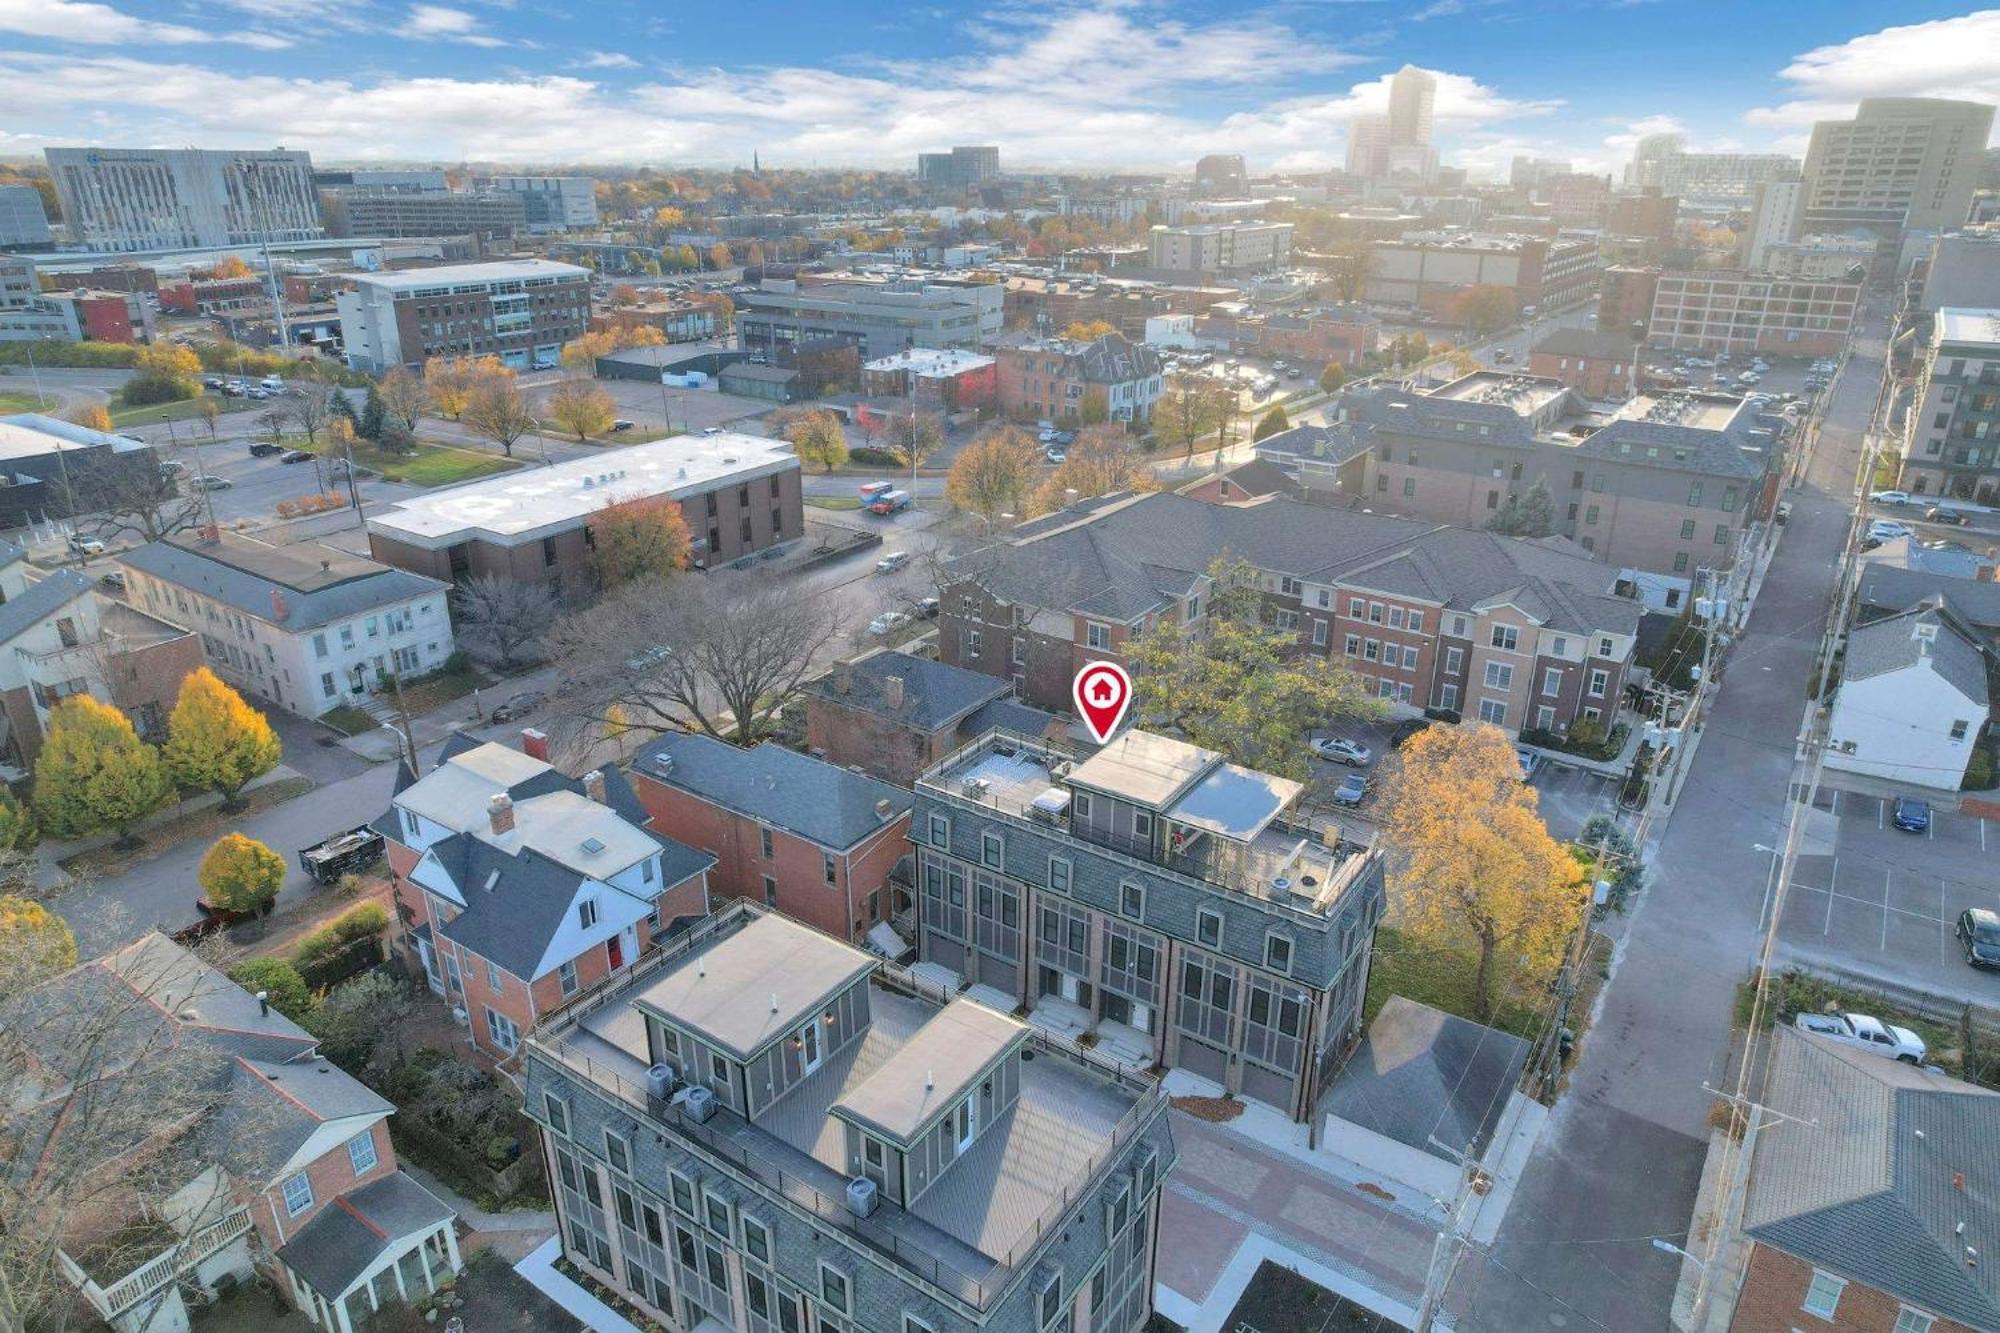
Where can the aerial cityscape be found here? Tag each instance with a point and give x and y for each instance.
(1125, 668)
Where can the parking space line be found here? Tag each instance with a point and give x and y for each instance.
(1881, 813)
(1832, 886)
(1886, 878)
(1982, 833)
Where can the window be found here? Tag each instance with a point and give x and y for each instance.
(1132, 901)
(1353, 645)
(298, 1194)
(319, 645)
(1096, 635)
(1395, 617)
(1604, 646)
(770, 891)
(1506, 637)
(940, 831)
(566, 974)
(682, 1190)
(1409, 486)
(502, 1030)
(912, 1324)
(361, 1152)
(1590, 517)
(756, 1240)
(1552, 681)
(1687, 529)
(1208, 927)
(586, 913)
(1142, 825)
(1499, 676)
(1278, 952)
(1823, 1295)
(1912, 1321)
(1079, 806)
(618, 1153)
(1058, 874)
(1694, 495)
(1599, 678)
(1409, 657)
(557, 1111)
(829, 867)
(1454, 661)
(1355, 607)
(718, 1215)
(833, 1288)
(1052, 1301)
(1416, 622)
(1680, 562)
(1319, 633)
(991, 850)
(1290, 587)
(1494, 711)
(764, 847)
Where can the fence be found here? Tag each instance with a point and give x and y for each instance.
(349, 960)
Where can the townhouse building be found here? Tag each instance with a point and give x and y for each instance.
(797, 834)
(517, 886)
(1178, 909)
(521, 311)
(1951, 442)
(1055, 379)
(307, 627)
(1516, 632)
(265, 1158)
(1596, 365)
(770, 1130)
(892, 714)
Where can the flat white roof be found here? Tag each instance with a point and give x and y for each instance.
(453, 275)
(518, 505)
(31, 435)
(1960, 325)
(932, 361)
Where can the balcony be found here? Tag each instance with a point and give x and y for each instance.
(175, 1257)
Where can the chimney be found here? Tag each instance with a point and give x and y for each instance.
(500, 813)
(593, 785)
(277, 605)
(892, 692)
(211, 533)
(264, 1003)
(535, 744)
(884, 808)
(843, 679)
(326, 566)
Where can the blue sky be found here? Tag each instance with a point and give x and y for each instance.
(1130, 83)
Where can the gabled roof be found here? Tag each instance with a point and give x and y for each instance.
(1929, 633)
(1891, 588)
(1587, 343)
(316, 585)
(1872, 1172)
(820, 802)
(40, 601)
(1258, 477)
(1422, 1074)
(348, 1235)
(934, 694)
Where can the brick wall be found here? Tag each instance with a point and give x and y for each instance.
(331, 1175)
(1776, 1284)
(881, 747)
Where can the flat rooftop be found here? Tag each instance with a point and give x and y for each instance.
(534, 502)
(1526, 394)
(930, 1074)
(927, 362)
(755, 986)
(1960, 325)
(1145, 768)
(1235, 802)
(462, 275)
(31, 435)
(307, 567)
(1697, 411)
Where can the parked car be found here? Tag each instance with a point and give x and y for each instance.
(649, 658)
(1956, 518)
(621, 424)
(297, 456)
(892, 562)
(1056, 454)
(264, 449)
(1979, 933)
(114, 580)
(1887, 530)
(928, 608)
(888, 623)
(519, 705)
(213, 483)
(1530, 761)
(86, 546)
(889, 502)
(1911, 815)
(1353, 789)
(1400, 734)
(1340, 750)
(1870, 1034)
(1890, 497)
(1784, 512)
(711, 430)
(172, 467)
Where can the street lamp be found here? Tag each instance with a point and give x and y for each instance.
(1668, 1247)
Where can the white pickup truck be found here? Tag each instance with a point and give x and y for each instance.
(1870, 1034)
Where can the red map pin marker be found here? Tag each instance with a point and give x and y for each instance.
(1103, 691)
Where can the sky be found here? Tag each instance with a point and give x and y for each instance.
(1115, 84)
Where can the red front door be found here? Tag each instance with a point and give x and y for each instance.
(614, 952)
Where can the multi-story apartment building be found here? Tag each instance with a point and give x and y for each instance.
(1951, 445)
(1516, 632)
(1727, 310)
(1179, 908)
(739, 494)
(307, 627)
(1429, 271)
(1221, 247)
(1625, 301)
(519, 310)
(518, 886)
(24, 223)
(1648, 214)
(184, 198)
(1055, 379)
(793, 832)
(1596, 365)
(962, 166)
(1577, 199)
(1662, 160)
(553, 203)
(1775, 209)
(363, 211)
(1901, 163)
(770, 1130)
(880, 318)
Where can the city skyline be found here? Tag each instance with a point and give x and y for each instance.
(1057, 86)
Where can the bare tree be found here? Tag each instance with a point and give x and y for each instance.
(309, 406)
(504, 619)
(722, 653)
(916, 436)
(124, 494)
(498, 411)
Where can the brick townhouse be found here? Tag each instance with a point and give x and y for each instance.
(518, 886)
(1596, 365)
(893, 715)
(1895, 1239)
(791, 832)
(287, 1169)
(1520, 633)
(1054, 379)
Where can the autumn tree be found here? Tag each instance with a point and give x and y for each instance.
(1484, 308)
(310, 407)
(230, 266)
(449, 382)
(163, 372)
(995, 475)
(1087, 331)
(91, 416)
(582, 408)
(818, 437)
(1271, 423)
(240, 874)
(35, 944)
(94, 774)
(643, 538)
(583, 353)
(1189, 407)
(917, 436)
(217, 742)
(18, 831)
(1232, 680)
(497, 410)
(503, 619)
(1099, 463)
(1474, 870)
(405, 398)
(210, 414)
(718, 256)
(1332, 377)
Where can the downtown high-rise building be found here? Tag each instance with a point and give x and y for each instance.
(1662, 162)
(184, 198)
(1412, 97)
(1901, 164)
(1398, 144)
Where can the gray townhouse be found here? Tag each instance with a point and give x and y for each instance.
(767, 1130)
(1178, 909)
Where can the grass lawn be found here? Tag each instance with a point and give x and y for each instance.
(432, 464)
(17, 401)
(185, 409)
(348, 720)
(425, 695)
(842, 502)
(1443, 979)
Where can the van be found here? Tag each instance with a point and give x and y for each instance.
(875, 490)
(271, 382)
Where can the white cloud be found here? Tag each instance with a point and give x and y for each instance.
(1952, 57)
(442, 23)
(87, 23)
(606, 60)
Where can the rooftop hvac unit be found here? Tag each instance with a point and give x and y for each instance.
(861, 1196)
(975, 786)
(698, 1102)
(660, 1082)
(663, 762)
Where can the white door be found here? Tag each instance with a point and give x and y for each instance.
(810, 1053)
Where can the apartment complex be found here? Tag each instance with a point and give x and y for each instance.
(1951, 443)
(1430, 271)
(552, 203)
(308, 627)
(184, 198)
(1662, 160)
(1221, 247)
(1055, 379)
(880, 318)
(1728, 310)
(519, 310)
(1775, 209)
(1180, 909)
(769, 1129)
(739, 494)
(24, 223)
(962, 166)
(365, 211)
(1902, 163)
(517, 887)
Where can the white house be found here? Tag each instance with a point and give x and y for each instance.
(307, 626)
(1913, 698)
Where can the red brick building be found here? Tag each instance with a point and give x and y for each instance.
(518, 887)
(894, 715)
(810, 839)
(1596, 365)
(1054, 379)
(945, 379)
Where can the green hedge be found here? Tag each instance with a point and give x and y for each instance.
(867, 457)
(361, 922)
(86, 355)
(287, 991)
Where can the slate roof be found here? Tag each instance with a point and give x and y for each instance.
(1006, 715)
(39, 601)
(1881, 647)
(348, 1235)
(1890, 588)
(1110, 359)
(1422, 1073)
(1259, 476)
(243, 573)
(1949, 559)
(935, 694)
(1877, 1167)
(820, 802)
(1335, 444)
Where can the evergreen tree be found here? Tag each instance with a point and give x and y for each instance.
(373, 416)
(1273, 421)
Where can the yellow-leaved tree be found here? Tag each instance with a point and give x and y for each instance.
(1475, 870)
(94, 774)
(240, 874)
(35, 944)
(818, 437)
(217, 742)
(644, 537)
(581, 408)
(995, 476)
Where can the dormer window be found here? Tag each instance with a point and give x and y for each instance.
(586, 913)
(991, 850)
(1050, 1302)
(940, 831)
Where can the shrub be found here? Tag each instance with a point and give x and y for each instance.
(280, 982)
(1979, 772)
(358, 922)
(867, 457)
(241, 874)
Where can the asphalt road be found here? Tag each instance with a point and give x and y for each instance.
(1621, 1158)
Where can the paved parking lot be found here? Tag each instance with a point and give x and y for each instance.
(689, 409)
(1869, 898)
(1570, 796)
